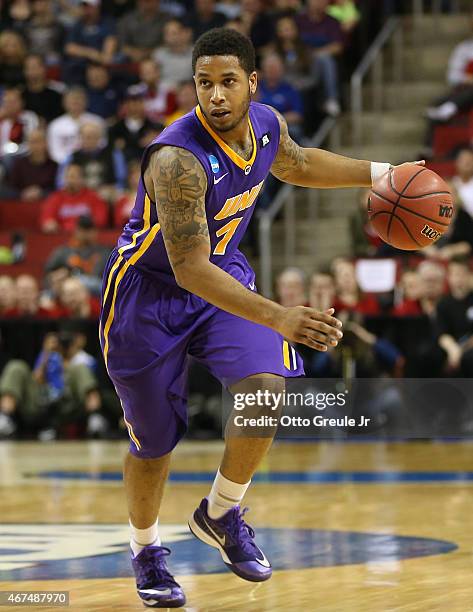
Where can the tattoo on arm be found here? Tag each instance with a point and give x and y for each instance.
(290, 159)
(180, 184)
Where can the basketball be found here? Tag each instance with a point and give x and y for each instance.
(410, 207)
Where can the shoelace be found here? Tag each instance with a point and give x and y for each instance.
(154, 570)
(241, 531)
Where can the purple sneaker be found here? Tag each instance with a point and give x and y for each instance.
(154, 584)
(234, 539)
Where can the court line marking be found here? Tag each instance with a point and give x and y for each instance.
(362, 477)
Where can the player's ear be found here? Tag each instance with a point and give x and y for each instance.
(253, 80)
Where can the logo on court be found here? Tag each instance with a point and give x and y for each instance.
(214, 164)
(65, 551)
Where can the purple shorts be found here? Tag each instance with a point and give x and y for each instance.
(147, 331)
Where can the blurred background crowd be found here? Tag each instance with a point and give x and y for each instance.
(84, 86)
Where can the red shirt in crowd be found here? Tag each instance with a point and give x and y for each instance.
(122, 210)
(41, 313)
(57, 311)
(159, 103)
(94, 307)
(65, 208)
(367, 305)
(407, 308)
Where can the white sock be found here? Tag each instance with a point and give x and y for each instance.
(144, 537)
(224, 495)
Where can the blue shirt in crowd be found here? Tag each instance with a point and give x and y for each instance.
(284, 97)
(53, 374)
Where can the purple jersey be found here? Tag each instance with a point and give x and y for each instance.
(149, 326)
(233, 185)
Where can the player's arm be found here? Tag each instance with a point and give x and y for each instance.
(309, 167)
(179, 184)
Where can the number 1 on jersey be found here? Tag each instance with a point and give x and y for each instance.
(227, 232)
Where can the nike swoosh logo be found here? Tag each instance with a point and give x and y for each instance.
(155, 591)
(264, 562)
(220, 539)
(217, 180)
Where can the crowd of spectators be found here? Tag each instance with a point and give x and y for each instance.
(422, 325)
(86, 85)
(422, 328)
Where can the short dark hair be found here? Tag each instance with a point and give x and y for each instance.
(224, 41)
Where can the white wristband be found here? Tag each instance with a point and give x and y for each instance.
(378, 169)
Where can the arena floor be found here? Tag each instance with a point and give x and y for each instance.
(348, 526)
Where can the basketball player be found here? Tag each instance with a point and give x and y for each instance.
(177, 285)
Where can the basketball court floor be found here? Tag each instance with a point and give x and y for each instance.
(349, 527)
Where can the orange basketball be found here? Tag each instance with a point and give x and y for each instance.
(410, 207)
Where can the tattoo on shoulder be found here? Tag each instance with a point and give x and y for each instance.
(290, 157)
(180, 184)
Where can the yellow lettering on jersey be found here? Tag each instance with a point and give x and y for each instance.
(239, 202)
(228, 207)
(227, 232)
(248, 198)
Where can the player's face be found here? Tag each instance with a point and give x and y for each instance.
(224, 91)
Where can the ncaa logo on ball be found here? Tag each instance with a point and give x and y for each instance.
(214, 164)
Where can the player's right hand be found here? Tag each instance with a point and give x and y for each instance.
(318, 330)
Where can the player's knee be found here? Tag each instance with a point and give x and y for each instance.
(149, 458)
(152, 447)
